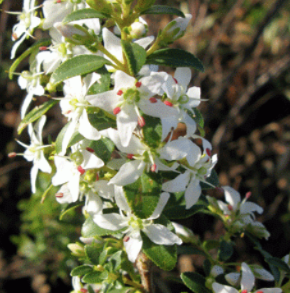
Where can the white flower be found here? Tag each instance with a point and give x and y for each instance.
(70, 172)
(125, 100)
(234, 204)
(56, 11)
(30, 80)
(27, 23)
(141, 159)
(74, 105)
(247, 284)
(34, 152)
(198, 167)
(157, 233)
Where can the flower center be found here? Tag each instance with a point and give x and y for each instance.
(131, 96)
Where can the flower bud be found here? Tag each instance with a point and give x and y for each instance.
(175, 29)
(138, 30)
(76, 249)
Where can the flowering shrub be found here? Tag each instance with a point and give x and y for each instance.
(117, 156)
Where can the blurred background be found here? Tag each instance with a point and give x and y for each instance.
(245, 48)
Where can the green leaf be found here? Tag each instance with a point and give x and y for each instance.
(35, 114)
(207, 266)
(210, 244)
(103, 148)
(174, 58)
(92, 278)
(213, 180)
(81, 270)
(195, 282)
(78, 65)
(162, 9)
(116, 259)
(176, 207)
(226, 250)
(152, 131)
(92, 253)
(91, 229)
(164, 256)
(101, 120)
(143, 195)
(86, 13)
(103, 257)
(277, 262)
(135, 56)
(30, 50)
(103, 84)
(70, 207)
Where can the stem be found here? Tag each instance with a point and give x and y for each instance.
(144, 266)
(112, 57)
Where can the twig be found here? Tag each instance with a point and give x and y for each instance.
(144, 266)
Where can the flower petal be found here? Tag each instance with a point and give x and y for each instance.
(248, 278)
(159, 234)
(133, 247)
(112, 222)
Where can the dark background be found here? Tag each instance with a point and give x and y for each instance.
(244, 46)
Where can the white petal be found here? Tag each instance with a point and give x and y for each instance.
(145, 42)
(168, 123)
(192, 193)
(121, 199)
(112, 44)
(250, 207)
(74, 186)
(33, 177)
(233, 279)
(248, 278)
(177, 184)
(183, 76)
(107, 100)
(164, 197)
(128, 173)
(103, 189)
(159, 234)
(232, 196)
(93, 204)
(43, 164)
(91, 161)
(25, 105)
(194, 97)
(123, 80)
(133, 247)
(269, 290)
(86, 129)
(218, 288)
(68, 135)
(112, 222)
(126, 123)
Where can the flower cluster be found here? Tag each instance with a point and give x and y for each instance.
(118, 155)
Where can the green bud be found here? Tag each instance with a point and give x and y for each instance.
(90, 176)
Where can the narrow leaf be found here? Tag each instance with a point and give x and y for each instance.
(81, 270)
(86, 13)
(162, 9)
(143, 194)
(40, 43)
(277, 262)
(226, 250)
(174, 58)
(92, 278)
(152, 131)
(78, 65)
(164, 256)
(35, 114)
(194, 282)
(92, 254)
(100, 120)
(103, 148)
(135, 56)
